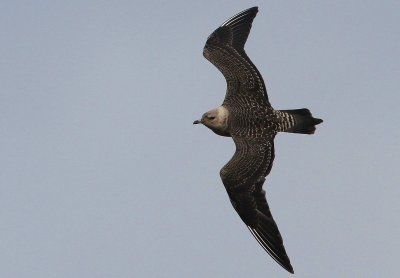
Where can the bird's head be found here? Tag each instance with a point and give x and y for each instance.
(216, 120)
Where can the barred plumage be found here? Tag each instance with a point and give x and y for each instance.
(247, 116)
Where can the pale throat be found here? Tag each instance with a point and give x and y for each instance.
(222, 116)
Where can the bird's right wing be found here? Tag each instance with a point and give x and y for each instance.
(243, 177)
(225, 50)
(267, 232)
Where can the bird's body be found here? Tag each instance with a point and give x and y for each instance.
(247, 116)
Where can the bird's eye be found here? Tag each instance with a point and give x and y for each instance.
(211, 117)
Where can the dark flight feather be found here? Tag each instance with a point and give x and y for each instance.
(224, 49)
(252, 123)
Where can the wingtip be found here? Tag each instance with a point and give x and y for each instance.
(252, 10)
(281, 258)
(289, 268)
(255, 8)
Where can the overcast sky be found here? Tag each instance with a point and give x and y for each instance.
(104, 175)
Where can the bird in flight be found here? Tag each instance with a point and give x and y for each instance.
(247, 116)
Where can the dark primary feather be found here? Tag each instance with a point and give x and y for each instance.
(240, 26)
(241, 174)
(243, 177)
(253, 127)
(252, 123)
(224, 49)
(266, 232)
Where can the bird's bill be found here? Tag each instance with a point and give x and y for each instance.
(196, 122)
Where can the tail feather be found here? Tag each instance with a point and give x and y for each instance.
(301, 121)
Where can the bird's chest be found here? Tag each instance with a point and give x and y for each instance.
(255, 123)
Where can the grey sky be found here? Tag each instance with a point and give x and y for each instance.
(104, 175)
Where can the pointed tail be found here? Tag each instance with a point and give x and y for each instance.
(298, 121)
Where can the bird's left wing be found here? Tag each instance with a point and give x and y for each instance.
(225, 49)
(243, 177)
